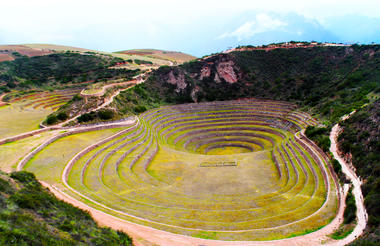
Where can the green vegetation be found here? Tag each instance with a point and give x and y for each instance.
(343, 231)
(320, 135)
(350, 210)
(103, 114)
(360, 137)
(139, 62)
(30, 215)
(137, 100)
(12, 152)
(16, 119)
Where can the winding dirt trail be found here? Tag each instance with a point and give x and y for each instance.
(2, 103)
(361, 214)
(106, 103)
(104, 88)
(136, 80)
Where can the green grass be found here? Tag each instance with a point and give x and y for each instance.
(48, 164)
(16, 119)
(11, 153)
(342, 232)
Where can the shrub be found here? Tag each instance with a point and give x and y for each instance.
(140, 109)
(5, 186)
(11, 84)
(23, 176)
(76, 98)
(26, 200)
(105, 114)
(51, 119)
(86, 117)
(62, 116)
(350, 210)
(320, 135)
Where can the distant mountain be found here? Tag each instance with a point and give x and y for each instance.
(11, 52)
(173, 56)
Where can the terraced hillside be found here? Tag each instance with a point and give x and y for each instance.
(232, 170)
(24, 113)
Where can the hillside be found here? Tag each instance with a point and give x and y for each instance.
(331, 81)
(31, 215)
(173, 56)
(130, 59)
(360, 144)
(58, 69)
(12, 52)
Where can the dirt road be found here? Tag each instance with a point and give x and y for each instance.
(361, 213)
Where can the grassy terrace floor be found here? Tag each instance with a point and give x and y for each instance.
(16, 119)
(151, 173)
(26, 112)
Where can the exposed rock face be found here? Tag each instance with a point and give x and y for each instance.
(221, 68)
(216, 78)
(226, 71)
(190, 82)
(205, 72)
(194, 93)
(178, 80)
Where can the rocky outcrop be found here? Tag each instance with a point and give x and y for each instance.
(221, 68)
(194, 93)
(178, 80)
(205, 72)
(227, 72)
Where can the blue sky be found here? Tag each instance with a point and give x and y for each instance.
(195, 27)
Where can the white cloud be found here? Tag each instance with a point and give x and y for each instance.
(262, 23)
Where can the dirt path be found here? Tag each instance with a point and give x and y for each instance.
(136, 80)
(106, 103)
(361, 213)
(2, 103)
(104, 88)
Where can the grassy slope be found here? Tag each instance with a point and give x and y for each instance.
(173, 56)
(13, 119)
(11, 153)
(50, 171)
(31, 215)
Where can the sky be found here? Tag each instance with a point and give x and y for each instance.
(197, 27)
